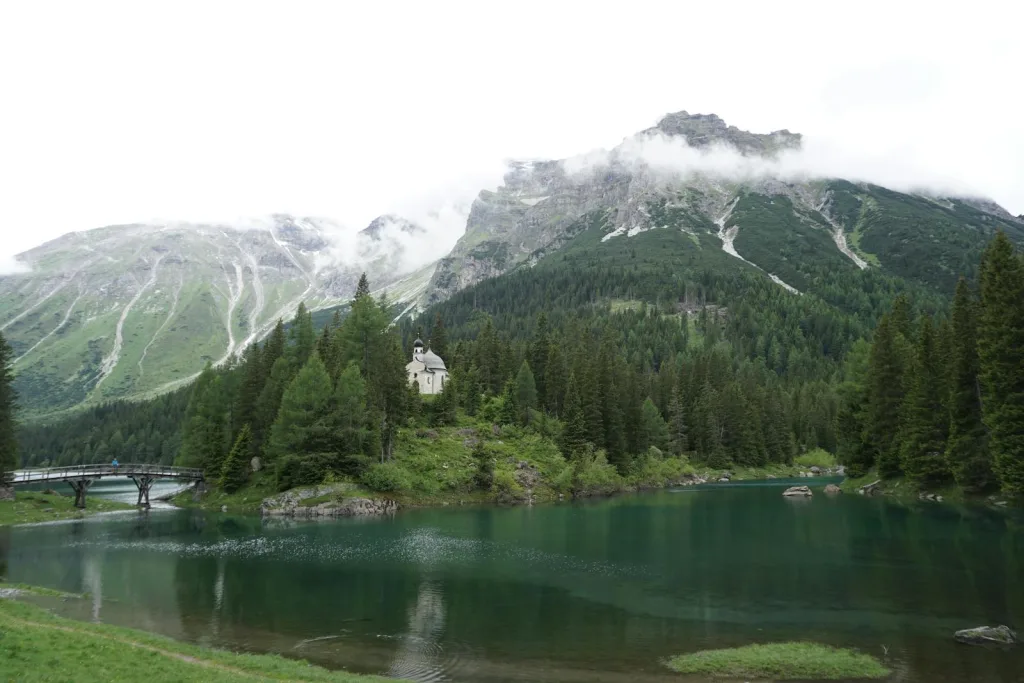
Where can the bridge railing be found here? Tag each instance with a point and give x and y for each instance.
(92, 471)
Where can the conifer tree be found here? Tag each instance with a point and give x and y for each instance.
(303, 335)
(590, 398)
(525, 393)
(362, 288)
(1001, 353)
(678, 433)
(655, 430)
(706, 433)
(483, 477)
(509, 414)
(446, 405)
(885, 398)
(274, 347)
(248, 393)
(269, 403)
(539, 352)
(967, 453)
(439, 338)
(556, 378)
(923, 441)
(472, 391)
(235, 471)
(388, 384)
(574, 431)
(205, 430)
(8, 426)
(304, 402)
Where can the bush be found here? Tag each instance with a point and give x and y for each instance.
(386, 477)
(653, 470)
(303, 470)
(817, 457)
(506, 487)
(594, 476)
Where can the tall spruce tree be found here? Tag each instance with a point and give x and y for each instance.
(439, 337)
(525, 393)
(8, 426)
(1001, 352)
(362, 287)
(235, 470)
(925, 421)
(655, 430)
(305, 401)
(678, 433)
(539, 352)
(303, 335)
(556, 378)
(885, 395)
(967, 453)
(574, 431)
(205, 432)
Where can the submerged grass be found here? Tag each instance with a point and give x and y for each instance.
(781, 661)
(37, 646)
(32, 507)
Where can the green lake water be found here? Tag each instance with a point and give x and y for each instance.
(598, 591)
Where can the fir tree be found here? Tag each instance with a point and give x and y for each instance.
(655, 430)
(539, 352)
(269, 402)
(362, 288)
(472, 392)
(205, 430)
(250, 387)
(678, 436)
(1001, 353)
(446, 405)
(235, 471)
(525, 393)
(922, 447)
(574, 431)
(439, 337)
(8, 425)
(274, 347)
(303, 335)
(483, 477)
(556, 377)
(885, 398)
(304, 402)
(509, 414)
(967, 453)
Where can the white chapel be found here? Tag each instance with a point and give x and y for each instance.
(426, 370)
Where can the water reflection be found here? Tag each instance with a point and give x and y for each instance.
(554, 593)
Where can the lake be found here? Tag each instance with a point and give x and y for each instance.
(596, 591)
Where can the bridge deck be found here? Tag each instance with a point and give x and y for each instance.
(81, 472)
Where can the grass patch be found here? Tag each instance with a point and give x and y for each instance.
(246, 500)
(36, 590)
(37, 646)
(30, 507)
(781, 661)
(816, 458)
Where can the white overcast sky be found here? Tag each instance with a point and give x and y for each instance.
(136, 111)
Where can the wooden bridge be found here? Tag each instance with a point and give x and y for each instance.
(81, 477)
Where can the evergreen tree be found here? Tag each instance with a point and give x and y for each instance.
(525, 393)
(1001, 353)
(707, 433)
(388, 384)
(205, 430)
(967, 453)
(655, 430)
(446, 405)
(269, 402)
(539, 352)
(556, 377)
(472, 392)
(249, 389)
(488, 359)
(362, 288)
(303, 335)
(483, 477)
(885, 398)
(922, 447)
(439, 338)
(509, 414)
(574, 431)
(590, 397)
(274, 347)
(8, 425)
(678, 437)
(304, 402)
(235, 471)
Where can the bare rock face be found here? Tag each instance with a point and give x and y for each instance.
(987, 635)
(797, 491)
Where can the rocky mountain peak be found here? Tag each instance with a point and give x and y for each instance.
(377, 227)
(704, 130)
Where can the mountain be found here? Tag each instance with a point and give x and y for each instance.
(133, 310)
(785, 229)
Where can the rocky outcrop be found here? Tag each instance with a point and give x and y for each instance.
(294, 504)
(870, 489)
(797, 491)
(987, 635)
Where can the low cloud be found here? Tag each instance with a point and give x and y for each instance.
(672, 159)
(9, 265)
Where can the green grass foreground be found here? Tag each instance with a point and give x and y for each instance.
(32, 506)
(781, 661)
(37, 646)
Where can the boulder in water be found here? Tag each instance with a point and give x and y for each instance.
(986, 635)
(832, 489)
(797, 491)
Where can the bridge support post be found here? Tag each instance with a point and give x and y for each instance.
(143, 483)
(80, 487)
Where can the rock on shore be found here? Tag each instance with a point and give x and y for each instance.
(797, 491)
(290, 504)
(985, 635)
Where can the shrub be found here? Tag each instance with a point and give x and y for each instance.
(386, 477)
(506, 487)
(816, 457)
(303, 470)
